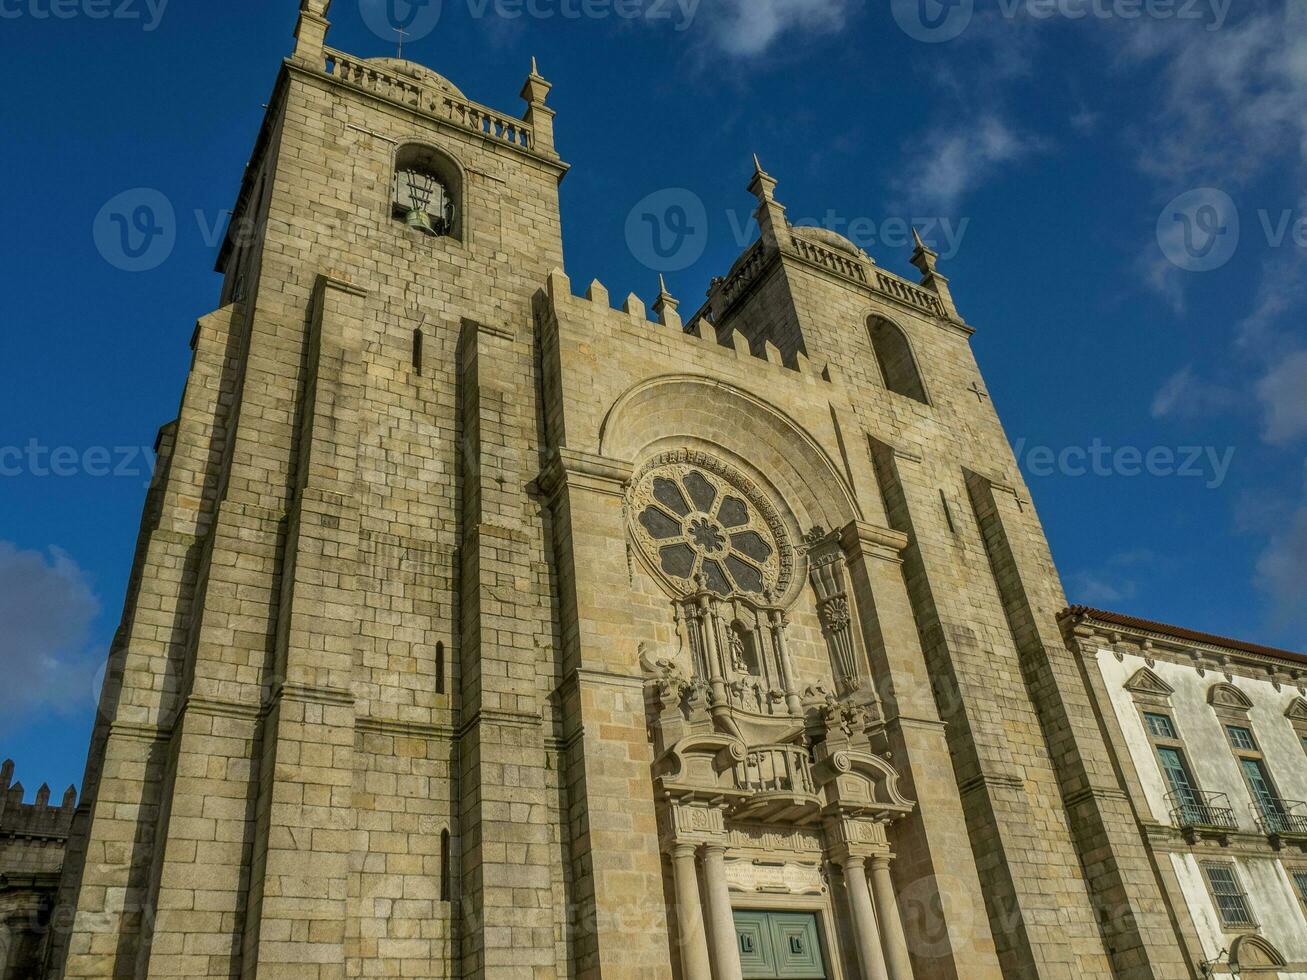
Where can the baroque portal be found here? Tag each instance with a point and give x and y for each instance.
(769, 784)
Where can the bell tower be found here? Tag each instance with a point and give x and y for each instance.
(322, 738)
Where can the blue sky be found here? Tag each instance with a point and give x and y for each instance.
(1116, 186)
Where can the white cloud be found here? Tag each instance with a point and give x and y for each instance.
(1283, 393)
(749, 27)
(1093, 589)
(952, 160)
(1085, 121)
(1186, 396)
(46, 610)
(1230, 100)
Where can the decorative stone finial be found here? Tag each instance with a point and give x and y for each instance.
(666, 306)
(772, 223)
(535, 90)
(311, 31)
(763, 184)
(926, 259)
(923, 257)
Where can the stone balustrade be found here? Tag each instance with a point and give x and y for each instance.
(776, 769)
(905, 292)
(842, 264)
(428, 99)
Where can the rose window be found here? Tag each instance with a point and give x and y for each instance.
(702, 526)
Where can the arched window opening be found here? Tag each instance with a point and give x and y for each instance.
(427, 191)
(894, 355)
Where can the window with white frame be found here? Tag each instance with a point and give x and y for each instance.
(1159, 726)
(1241, 738)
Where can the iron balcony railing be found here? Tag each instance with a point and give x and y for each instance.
(1282, 818)
(1202, 810)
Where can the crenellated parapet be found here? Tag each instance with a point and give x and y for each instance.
(36, 819)
(728, 347)
(33, 837)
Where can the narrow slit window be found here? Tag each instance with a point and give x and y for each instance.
(948, 512)
(417, 350)
(445, 889)
(440, 668)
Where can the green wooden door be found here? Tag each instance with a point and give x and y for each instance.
(780, 946)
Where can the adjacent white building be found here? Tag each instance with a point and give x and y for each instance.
(1210, 739)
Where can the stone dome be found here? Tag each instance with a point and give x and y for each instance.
(828, 238)
(419, 73)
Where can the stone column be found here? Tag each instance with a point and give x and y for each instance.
(689, 914)
(891, 925)
(776, 623)
(863, 916)
(725, 945)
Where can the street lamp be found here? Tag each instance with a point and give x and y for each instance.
(1208, 967)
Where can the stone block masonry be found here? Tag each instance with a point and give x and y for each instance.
(479, 629)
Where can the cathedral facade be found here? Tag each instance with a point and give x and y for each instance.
(481, 626)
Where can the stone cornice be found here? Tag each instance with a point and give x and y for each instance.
(515, 719)
(987, 780)
(575, 469)
(1090, 636)
(490, 330)
(221, 709)
(405, 729)
(338, 697)
(1163, 838)
(862, 539)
